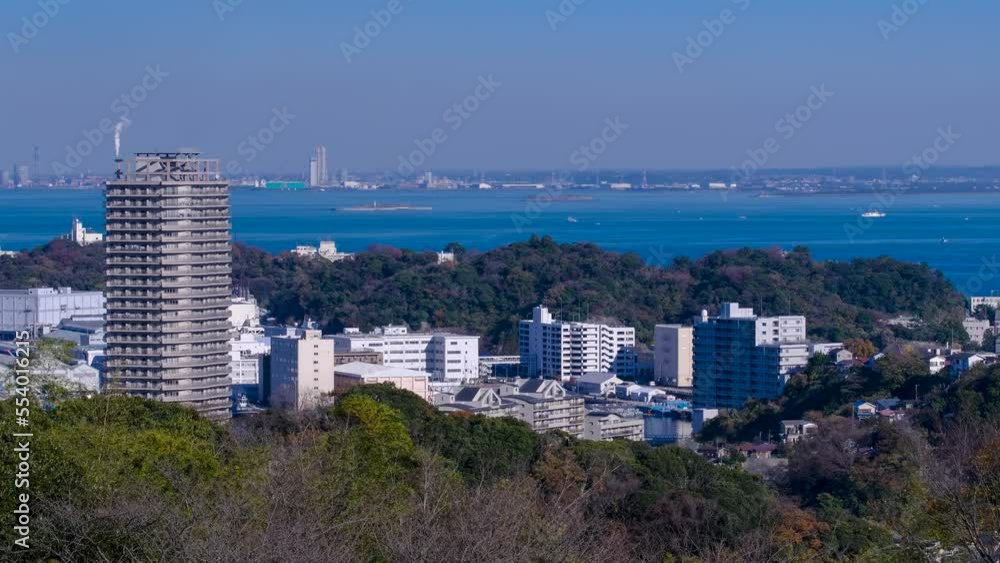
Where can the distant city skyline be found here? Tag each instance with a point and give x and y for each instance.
(519, 85)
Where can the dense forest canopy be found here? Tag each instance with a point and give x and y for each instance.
(383, 476)
(487, 293)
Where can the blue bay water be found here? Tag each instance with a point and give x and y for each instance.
(955, 233)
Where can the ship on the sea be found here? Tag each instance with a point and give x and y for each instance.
(376, 206)
(873, 214)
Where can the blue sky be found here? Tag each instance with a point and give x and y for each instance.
(609, 58)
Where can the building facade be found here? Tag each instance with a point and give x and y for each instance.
(484, 401)
(360, 373)
(364, 357)
(447, 357)
(976, 329)
(600, 384)
(35, 309)
(740, 356)
(80, 235)
(168, 281)
(607, 426)
(499, 366)
(673, 353)
(544, 404)
(302, 370)
(547, 406)
(988, 301)
(562, 350)
(244, 313)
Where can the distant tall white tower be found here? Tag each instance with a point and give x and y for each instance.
(319, 170)
(314, 176)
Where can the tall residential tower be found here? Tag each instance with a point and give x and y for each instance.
(168, 281)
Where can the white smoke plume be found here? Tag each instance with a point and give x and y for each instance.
(119, 127)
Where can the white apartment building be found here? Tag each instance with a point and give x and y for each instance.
(546, 406)
(246, 351)
(673, 355)
(248, 346)
(32, 309)
(976, 329)
(991, 301)
(607, 426)
(542, 403)
(301, 370)
(447, 357)
(560, 349)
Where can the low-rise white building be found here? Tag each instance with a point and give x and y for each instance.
(361, 373)
(607, 426)
(547, 406)
(936, 363)
(80, 235)
(446, 356)
(795, 430)
(864, 409)
(602, 384)
(544, 404)
(485, 401)
(635, 392)
(34, 309)
(327, 250)
(827, 348)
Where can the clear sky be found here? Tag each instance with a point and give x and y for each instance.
(225, 77)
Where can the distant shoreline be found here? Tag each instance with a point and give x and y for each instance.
(545, 193)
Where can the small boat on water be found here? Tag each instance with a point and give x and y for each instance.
(571, 220)
(873, 214)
